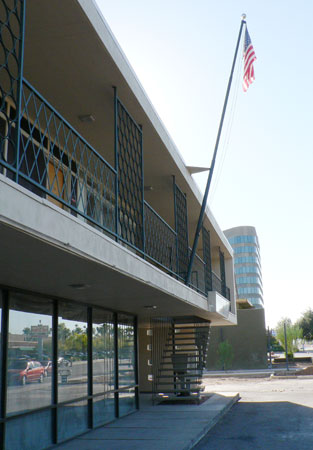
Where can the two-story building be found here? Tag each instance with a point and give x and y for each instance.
(97, 215)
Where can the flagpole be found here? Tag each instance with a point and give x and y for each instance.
(205, 197)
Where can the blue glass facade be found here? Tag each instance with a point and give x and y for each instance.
(247, 263)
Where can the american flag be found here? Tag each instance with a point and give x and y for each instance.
(249, 58)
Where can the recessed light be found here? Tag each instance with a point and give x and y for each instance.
(150, 307)
(86, 118)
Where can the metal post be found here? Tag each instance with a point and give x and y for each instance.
(116, 162)
(136, 359)
(54, 373)
(20, 88)
(143, 196)
(205, 197)
(286, 346)
(269, 338)
(4, 355)
(175, 217)
(90, 367)
(116, 380)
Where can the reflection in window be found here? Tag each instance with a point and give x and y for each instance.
(249, 290)
(245, 249)
(29, 432)
(127, 401)
(247, 269)
(103, 409)
(126, 350)
(29, 352)
(246, 259)
(247, 280)
(72, 420)
(72, 352)
(103, 351)
(242, 239)
(0, 344)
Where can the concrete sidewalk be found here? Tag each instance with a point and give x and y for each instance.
(168, 427)
(251, 373)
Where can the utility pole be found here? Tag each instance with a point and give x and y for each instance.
(286, 346)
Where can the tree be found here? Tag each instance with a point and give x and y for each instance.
(306, 324)
(63, 332)
(293, 334)
(226, 354)
(27, 333)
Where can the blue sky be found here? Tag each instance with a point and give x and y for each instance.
(182, 53)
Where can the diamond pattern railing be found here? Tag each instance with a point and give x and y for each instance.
(55, 161)
(160, 240)
(197, 280)
(130, 178)
(181, 226)
(11, 56)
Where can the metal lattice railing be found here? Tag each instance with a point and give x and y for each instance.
(216, 283)
(11, 51)
(130, 177)
(181, 225)
(207, 259)
(160, 240)
(197, 280)
(223, 274)
(56, 162)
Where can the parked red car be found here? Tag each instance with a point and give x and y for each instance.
(22, 371)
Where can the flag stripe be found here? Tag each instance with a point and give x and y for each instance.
(249, 58)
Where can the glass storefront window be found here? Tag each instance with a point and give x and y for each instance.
(29, 353)
(127, 401)
(72, 352)
(0, 346)
(103, 351)
(126, 351)
(29, 432)
(103, 409)
(72, 420)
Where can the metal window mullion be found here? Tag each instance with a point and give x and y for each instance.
(136, 359)
(142, 194)
(175, 217)
(116, 380)
(116, 164)
(90, 368)
(4, 356)
(54, 383)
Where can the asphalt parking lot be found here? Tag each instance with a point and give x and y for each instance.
(273, 413)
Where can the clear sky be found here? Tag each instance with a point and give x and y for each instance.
(182, 53)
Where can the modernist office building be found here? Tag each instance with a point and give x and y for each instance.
(96, 207)
(247, 264)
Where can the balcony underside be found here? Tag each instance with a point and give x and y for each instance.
(46, 250)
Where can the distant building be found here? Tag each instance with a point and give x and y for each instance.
(247, 264)
(248, 338)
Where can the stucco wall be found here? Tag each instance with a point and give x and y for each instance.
(248, 340)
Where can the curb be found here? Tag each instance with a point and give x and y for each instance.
(212, 423)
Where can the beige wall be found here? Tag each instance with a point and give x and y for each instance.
(144, 370)
(248, 340)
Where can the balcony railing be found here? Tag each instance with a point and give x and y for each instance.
(54, 161)
(160, 240)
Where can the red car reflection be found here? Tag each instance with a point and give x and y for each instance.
(22, 371)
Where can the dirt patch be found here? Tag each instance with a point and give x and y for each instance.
(306, 371)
